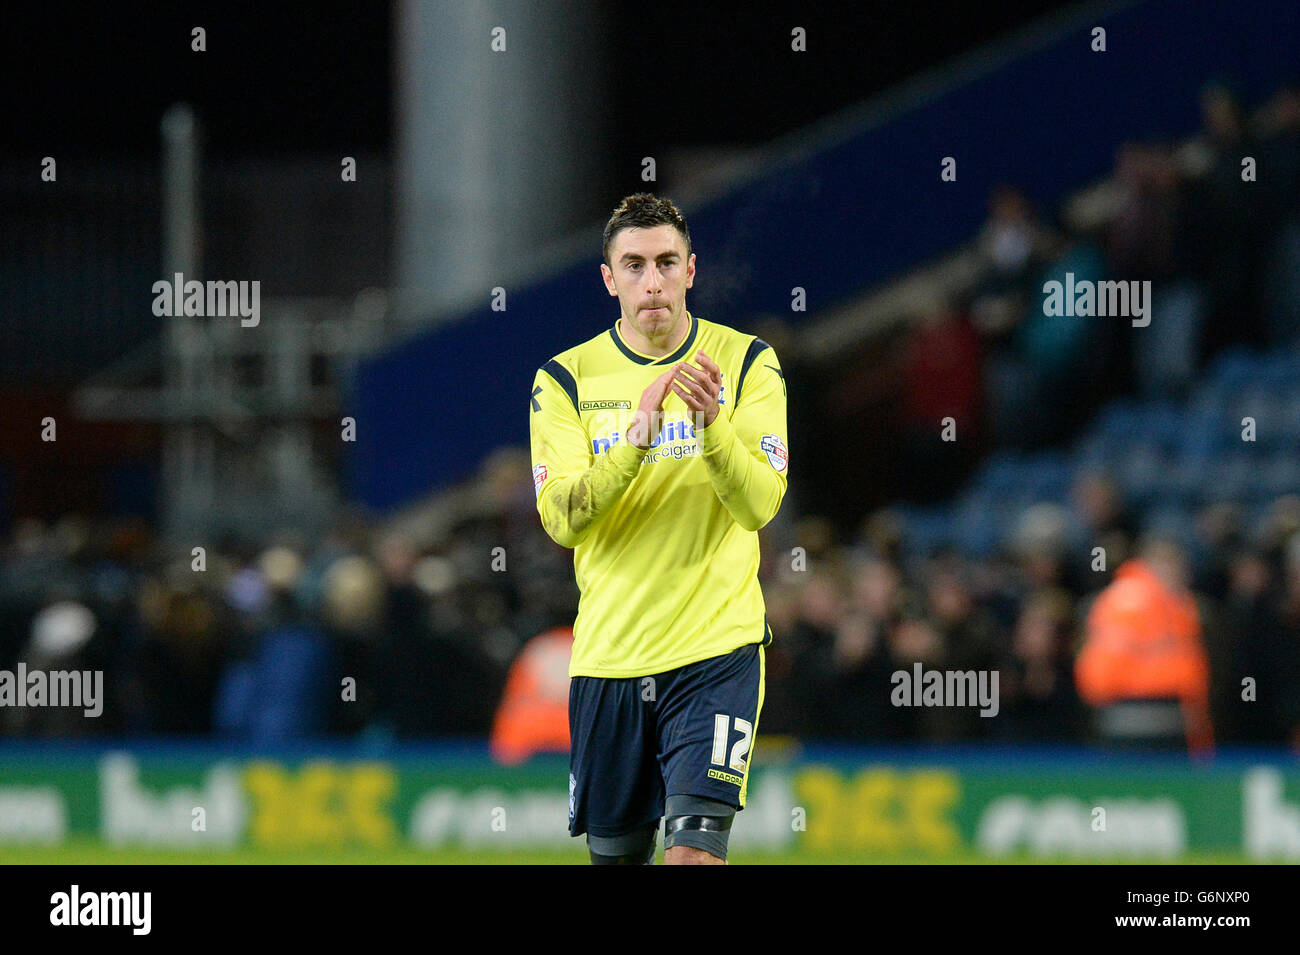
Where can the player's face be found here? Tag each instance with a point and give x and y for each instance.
(650, 275)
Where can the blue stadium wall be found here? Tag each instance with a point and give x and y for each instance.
(837, 220)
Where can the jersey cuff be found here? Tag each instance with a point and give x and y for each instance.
(716, 435)
(627, 456)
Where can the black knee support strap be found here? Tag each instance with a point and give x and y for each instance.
(698, 824)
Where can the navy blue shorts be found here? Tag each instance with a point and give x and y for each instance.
(635, 741)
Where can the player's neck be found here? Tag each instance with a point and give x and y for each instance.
(643, 345)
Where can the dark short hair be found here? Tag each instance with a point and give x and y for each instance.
(643, 210)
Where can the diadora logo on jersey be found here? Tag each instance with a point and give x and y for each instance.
(539, 478)
(776, 452)
(603, 405)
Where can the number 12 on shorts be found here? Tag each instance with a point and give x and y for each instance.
(722, 732)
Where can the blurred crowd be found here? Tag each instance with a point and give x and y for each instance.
(1213, 223)
(1084, 612)
(357, 632)
(1218, 239)
(1080, 612)
(368, 634)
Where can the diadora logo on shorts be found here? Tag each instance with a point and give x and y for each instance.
(539, 478)
(776, 452)
(573, 787)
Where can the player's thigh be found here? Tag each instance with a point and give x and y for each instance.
(708, 717)
(615, 785)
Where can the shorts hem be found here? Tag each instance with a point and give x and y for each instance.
(730, 799)
(606, 832)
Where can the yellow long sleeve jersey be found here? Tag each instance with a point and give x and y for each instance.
(665, 540)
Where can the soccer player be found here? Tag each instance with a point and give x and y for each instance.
(659, 450)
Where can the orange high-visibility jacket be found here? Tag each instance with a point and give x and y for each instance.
(534, 713)
(1143, 641)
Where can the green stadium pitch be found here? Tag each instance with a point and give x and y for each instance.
(92, 852)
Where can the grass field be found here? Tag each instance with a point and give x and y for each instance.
(95, 853)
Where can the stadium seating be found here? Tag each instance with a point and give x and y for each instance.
(1168, 459)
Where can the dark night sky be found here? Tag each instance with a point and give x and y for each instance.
(295, 77)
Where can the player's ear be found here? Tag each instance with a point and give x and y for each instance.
(608, 276)
(690, 271)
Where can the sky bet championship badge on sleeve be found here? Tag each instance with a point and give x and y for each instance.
(539, 478)
(777, 455)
